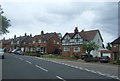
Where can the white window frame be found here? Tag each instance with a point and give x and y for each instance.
(33, 42)
(58, 43)
(39, 41)
(66, 49)
(44, 41)
(76, 49)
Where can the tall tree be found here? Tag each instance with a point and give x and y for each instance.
(4, 23)
(90, 46)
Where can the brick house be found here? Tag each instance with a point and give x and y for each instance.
(44, 43)
(5, 43)
(116, 49)
(20, 42)
(47, 43)
(73, 42)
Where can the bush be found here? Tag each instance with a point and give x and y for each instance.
(115, 62)
(92, 59)
(88, 59)
(96, 59)
(75, 55)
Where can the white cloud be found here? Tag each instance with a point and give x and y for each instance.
(62, 17)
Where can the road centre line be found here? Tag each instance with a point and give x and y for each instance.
(41, 68)
(60, 78)
(28, 62)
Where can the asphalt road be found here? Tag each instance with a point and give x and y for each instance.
(26, 67)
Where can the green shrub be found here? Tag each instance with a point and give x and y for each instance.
(96, 59)
(75, 55)
(115, 62)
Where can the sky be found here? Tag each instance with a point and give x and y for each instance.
(61, 17)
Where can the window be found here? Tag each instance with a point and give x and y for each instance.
(39, 41)
(76, 49)
(54, 42)
(66, 49)
(58, 43)
(98, 41)
(17, 42)
(33, 42)
(11, 42)
(44, 41)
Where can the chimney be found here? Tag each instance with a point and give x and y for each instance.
(42, 32)
(4, 38)
(25, 34)
(14, 36)
(30, 35)
(76, 30)
(82, 31)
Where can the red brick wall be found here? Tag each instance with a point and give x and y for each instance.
(51, 46)
(70, 53)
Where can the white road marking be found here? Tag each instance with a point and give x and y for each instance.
(41, 68)
(28, 62)
(60, 78)
(81, 68)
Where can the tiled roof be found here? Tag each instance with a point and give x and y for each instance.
(45, 37)
(87, 35)
(20, 39)
(116, 41)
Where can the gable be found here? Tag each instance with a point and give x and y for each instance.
(77, 36)
(97, 39)
(67, 37)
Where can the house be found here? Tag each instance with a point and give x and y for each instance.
(73, 42)
(5, 43)
(44, 43)
(19, 42)
(116, 49)
(47, 42)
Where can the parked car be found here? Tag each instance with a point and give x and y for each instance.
(105, 59)
(39, 54)
(85, 55)
(1, 53)
(10, 51)
(13, 51)
(19, 52)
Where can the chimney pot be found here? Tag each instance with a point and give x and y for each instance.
(42, 32)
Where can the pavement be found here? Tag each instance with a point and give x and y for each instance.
(27, 67)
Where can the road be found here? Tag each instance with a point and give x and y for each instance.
(26, 67)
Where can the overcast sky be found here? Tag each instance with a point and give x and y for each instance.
(62, 17)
